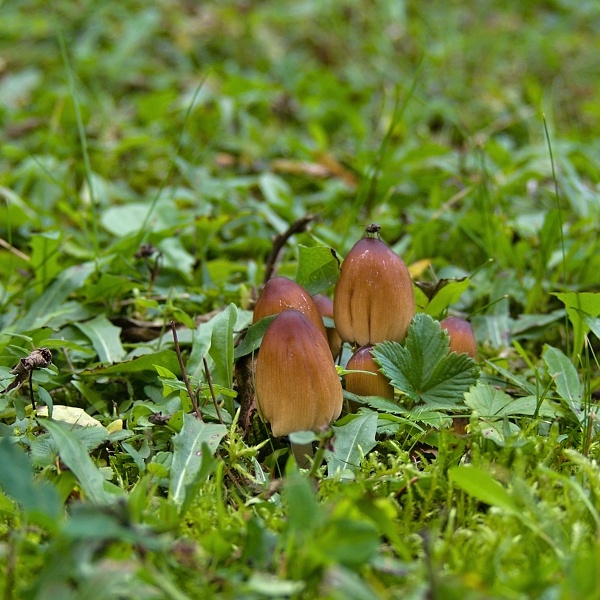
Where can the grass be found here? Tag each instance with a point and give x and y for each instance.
(469, 133)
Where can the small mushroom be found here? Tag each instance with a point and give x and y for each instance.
(297, 385)
(325, 306)
(363, 384)
(281, 293)
(462, 336)
(374, 298)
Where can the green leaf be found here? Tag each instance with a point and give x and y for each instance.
(75, 455)
(189, 457)
(447, 292)
(318, 268)
(568, 386)
(304, 513)
(253, 337)
(350, 542)
(578, 303)
(221, 349)
(481, 485)
(146, 362)
(593, 323)
(351, 442)
(488, 402)
(56, 293)
(39, 499)
(105, 338)
(45, 258)
(423, 368)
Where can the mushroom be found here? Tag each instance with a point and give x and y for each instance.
(325, 306)
(297, 385)
(363, 384)
(281, 293)
(462, 336)
(374, 298)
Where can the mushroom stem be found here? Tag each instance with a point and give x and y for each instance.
(302, 453)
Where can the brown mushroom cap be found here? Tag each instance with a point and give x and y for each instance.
(374, 298)
(297, 385)
(363, 384)
(325, 306)
(462, 336)
(281, 293)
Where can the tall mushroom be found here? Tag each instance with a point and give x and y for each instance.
(374, 298)
(297, 385)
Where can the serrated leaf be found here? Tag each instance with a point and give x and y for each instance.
(481, 485)
(188, 456)
(423, 368)
(351, 442)
(568, 386)
(318, 268)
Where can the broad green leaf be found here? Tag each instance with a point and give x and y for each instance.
(348, 541)
(446, 294)
(105, 338)
(108, 285)
(488, 402)
(146, 362)
(593, 323)
(351, 442)
(39, 499)
(318, 268)
(188, 456)
(75, 455)
(520, 382)
(56, 293)
(45, 258)
(481, 485)
(423, 368)
(578, 303)
(568, 386)
(304, 513)
(253, 337)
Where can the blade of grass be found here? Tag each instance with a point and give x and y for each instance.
(81, 132)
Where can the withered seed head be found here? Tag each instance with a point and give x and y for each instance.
(325, 306)
(462, 336)
(363, 384)
(374, 298)
(281, 293)
(297, 385)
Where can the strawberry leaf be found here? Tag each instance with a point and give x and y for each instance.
(423, 368)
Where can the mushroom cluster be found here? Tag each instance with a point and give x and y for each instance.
(297, 385)
(296, 382)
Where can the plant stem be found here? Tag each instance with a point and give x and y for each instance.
(184, 374)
